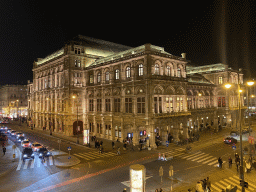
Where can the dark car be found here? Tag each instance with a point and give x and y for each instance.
(43, 152)
(13, 133)
(20, 139)
(27, 153)
(230, 140)
(246, 130)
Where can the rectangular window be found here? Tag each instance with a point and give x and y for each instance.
(169, 104)
(141, 105)
(117, 105)
(107, 105)
(160, 104)
(155, 104)
(181, 103)
(98, 128)
(178, 104)
(189, 103)
(99, 105)
(91, 105)
(91, 127)
(128, 105)
(91, 78)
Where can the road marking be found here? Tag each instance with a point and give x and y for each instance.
(238, 183)
(199, 157)
(205, 159)
(213, 186)
(213, 159)
(19, 165)
(190, 155)
(50, 160)
(32, 164)
(222, 187)
(26, 165)
(38, 163)
(195, 156)
(81, 156)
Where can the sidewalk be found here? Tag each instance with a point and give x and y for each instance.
(7, 162)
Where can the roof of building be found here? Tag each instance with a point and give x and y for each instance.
(206, 68)
(198, 78)
(99, 44)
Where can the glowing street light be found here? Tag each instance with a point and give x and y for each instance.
(228, 85)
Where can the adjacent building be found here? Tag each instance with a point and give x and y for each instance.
(117, 92)
(13, 101)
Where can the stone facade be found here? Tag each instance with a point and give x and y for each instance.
(122, 91)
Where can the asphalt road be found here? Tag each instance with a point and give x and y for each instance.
(111, 173)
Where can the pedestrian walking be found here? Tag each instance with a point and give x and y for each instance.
(230, 162)
(220, 162)
(208, 184)
(113, 145)
(118, 151)
(161, 190)
(204, 184)
(199, 187)
(237, 163)
(4, 150)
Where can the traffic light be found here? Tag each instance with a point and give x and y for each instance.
(245, 184)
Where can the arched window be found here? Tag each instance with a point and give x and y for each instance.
(128, 72)
(168, 70)
(178, 72)
(107, 76)
(156, 69)
(117, 74)
(140, 70)
(98, 77)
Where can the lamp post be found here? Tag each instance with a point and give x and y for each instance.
(75, 98)
(240, 132)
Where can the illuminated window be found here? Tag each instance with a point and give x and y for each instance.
(156, 69)
(168, 71)
(107, 76)
(91, 78)
(98, 77)
(140, 70)
(220, 80)
(178, 72)
(128, 72)
(117, 74)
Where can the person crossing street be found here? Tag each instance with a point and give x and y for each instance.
(4, 150)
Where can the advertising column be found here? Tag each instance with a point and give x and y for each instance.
(137, 178)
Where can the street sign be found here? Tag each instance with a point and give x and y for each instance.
(167, 143)
(69, 148)
(234, 146)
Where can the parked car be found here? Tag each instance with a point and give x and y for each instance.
(234, 133)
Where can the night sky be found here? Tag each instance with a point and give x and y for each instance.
(209, 32)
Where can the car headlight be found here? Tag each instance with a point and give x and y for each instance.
(25, 155)
(32, 154)
(40, 154)
(48, 153)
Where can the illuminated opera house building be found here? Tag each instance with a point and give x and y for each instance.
(116, 91)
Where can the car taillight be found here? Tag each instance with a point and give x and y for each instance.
(229, 140)
(223, 139)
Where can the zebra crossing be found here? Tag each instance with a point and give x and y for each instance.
(37, 162)
(93, 155)
(234, 181)
(199, 157)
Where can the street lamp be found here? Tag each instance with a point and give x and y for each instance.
(75, 97)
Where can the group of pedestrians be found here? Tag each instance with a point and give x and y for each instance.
(203, 185)
(159, 190)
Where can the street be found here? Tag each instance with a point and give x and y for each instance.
(112, 171)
